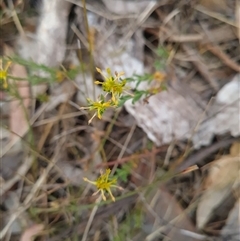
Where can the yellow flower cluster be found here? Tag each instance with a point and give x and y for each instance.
(99, 106)
(4, 73)
(114, 85)
(103, 183)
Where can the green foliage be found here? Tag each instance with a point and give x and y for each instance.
(130, 225)
(150, 145)
(43, 98)
(162, 52)
(138, 79)
(137, 94)
(160, 63)
(123, 99)
(51, 75)
(123, 172)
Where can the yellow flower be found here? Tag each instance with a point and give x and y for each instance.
(113, 85)
(103, 183)
(100, 107)
(159, 76)
(4, 73)
(60, 75)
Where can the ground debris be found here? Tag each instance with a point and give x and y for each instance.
(173, 188)
(222, 180)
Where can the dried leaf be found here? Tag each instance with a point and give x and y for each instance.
(214, 5)
(19, 108)
(164, 215)
(231, 231)
(171, 219)
(163, 119)
(223, 115)
(235, 149)
(222, 179)
(31, 232)
(126, 7)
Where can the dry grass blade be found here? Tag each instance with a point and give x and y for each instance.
(202, 154)
(173, 219)
(217, 16)
(124, 146)
(216, 50)
(21, 172)
(222, 34)
(201, 67)
(120, 161)
(30, 197)
(14, 140)
(90, 220)
(98, 9)
(16, 19)
(140, 20)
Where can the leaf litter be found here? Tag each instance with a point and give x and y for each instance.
(158, 201)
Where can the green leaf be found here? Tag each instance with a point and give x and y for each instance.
(72, 73)
(34, 80)
(123, 99)
(123, 172)
(138, 94)
(162, 52)
(136, 98)
(32, 65)
(158, 65)
(144, 77)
